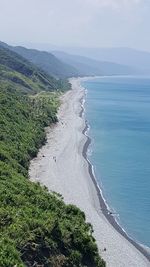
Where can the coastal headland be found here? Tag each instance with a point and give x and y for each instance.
(63, 167)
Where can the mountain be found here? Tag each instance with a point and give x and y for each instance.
(90, 62)
(36, 227)
(87, 66)
(19, 73)
(126, 56)
(44, 60)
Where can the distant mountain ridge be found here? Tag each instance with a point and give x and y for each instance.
(90, 61)
(87, 66)
(120, 55)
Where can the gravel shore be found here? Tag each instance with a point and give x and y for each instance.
(62, 167)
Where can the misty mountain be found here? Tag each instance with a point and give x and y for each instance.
(87, 66)
(91, 61)
(126, 56)
(44, 60)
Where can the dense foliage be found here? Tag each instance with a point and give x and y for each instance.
(36, 227)
(25, 76)
(45, 60)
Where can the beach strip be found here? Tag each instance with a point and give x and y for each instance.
(62, 165)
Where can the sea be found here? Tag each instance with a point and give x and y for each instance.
(117, 110)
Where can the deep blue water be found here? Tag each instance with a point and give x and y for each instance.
(118, 112)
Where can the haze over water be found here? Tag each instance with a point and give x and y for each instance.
(118, 112)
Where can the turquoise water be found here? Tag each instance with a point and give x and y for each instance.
(118, 112)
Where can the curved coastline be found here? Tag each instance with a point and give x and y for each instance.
(102, 202)
(70, 177)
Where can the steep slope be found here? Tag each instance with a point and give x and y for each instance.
(46, 61)
(87, 66)
(36, 227)
(20, 73)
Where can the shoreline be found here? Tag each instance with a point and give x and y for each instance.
(70, 176)
(102, 202)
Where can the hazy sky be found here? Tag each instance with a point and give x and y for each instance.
(96, 23)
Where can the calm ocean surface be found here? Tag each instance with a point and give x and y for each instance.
(118, 112)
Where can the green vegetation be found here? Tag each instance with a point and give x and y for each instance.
(36, 227)
(21, 74)
(45, 60)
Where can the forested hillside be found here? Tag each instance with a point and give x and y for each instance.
(45, 60)
(21, 74)
(36, 227)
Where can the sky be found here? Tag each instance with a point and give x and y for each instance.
(84, 23)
